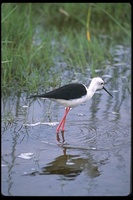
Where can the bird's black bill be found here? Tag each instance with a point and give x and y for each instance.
(107, 91)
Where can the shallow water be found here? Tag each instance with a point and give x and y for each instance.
(95, 159)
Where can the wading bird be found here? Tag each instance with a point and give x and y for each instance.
(72, 95)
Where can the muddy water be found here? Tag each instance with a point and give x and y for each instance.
(95, 159)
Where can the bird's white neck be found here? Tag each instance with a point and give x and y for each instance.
(91, 91)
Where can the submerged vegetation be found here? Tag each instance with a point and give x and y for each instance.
(36, 38)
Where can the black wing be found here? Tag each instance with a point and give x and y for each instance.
(67, 92)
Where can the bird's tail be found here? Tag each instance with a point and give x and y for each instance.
(37, 95)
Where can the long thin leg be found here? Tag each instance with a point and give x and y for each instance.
(58, 127)
(63, 120)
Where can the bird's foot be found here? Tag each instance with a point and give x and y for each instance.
(58, 137)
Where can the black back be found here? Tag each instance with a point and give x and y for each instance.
(67, 92)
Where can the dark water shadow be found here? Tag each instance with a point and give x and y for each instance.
(68, 166)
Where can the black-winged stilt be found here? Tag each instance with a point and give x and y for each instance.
(72, 95)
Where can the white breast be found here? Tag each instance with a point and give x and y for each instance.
(72, 103)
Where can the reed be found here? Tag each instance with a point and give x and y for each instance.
(37, 37)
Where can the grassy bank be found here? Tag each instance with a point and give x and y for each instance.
(37, 37)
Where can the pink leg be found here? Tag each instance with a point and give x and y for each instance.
(62, 122)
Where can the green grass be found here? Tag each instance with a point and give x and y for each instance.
(36, 37)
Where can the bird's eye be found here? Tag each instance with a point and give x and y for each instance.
(101, 83)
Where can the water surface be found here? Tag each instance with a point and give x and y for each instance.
(94, 161)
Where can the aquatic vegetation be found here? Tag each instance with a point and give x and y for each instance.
(48, 37)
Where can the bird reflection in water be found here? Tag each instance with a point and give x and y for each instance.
(69, 167)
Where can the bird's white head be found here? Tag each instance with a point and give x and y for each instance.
(97, 84)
